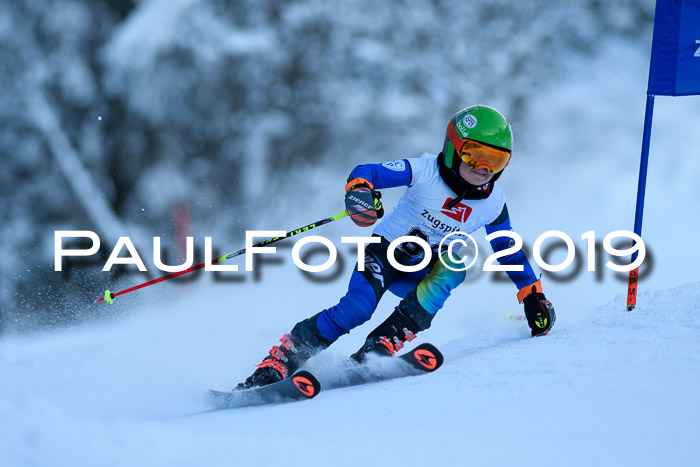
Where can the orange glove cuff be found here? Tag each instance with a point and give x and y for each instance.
(527, 290)
(357, 181)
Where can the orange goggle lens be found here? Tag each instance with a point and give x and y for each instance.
(477, 155)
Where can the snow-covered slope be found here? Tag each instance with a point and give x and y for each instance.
(605, 388)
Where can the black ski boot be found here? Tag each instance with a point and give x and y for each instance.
(295, 348)
(408, 319)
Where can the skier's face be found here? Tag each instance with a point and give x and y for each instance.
(474, 176)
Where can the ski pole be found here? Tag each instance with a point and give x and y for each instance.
(109, 296)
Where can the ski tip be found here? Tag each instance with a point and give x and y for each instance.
(306, 384)
(428, 357)
(220, 399)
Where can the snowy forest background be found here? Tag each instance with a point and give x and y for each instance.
(112, 113)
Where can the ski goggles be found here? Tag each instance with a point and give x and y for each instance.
(477, 155)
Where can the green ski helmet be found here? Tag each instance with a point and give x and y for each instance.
(484, 125)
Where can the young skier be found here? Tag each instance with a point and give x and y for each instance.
(454, 191)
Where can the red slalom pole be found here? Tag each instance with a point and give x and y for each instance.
(109, 296)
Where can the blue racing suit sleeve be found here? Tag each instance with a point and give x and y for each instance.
(520, 278)
(387, 175)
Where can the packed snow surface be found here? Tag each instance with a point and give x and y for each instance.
(606, 387)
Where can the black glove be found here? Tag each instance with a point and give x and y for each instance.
(362, 202)
(539, 312)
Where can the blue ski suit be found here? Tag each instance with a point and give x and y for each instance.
(424, 211)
